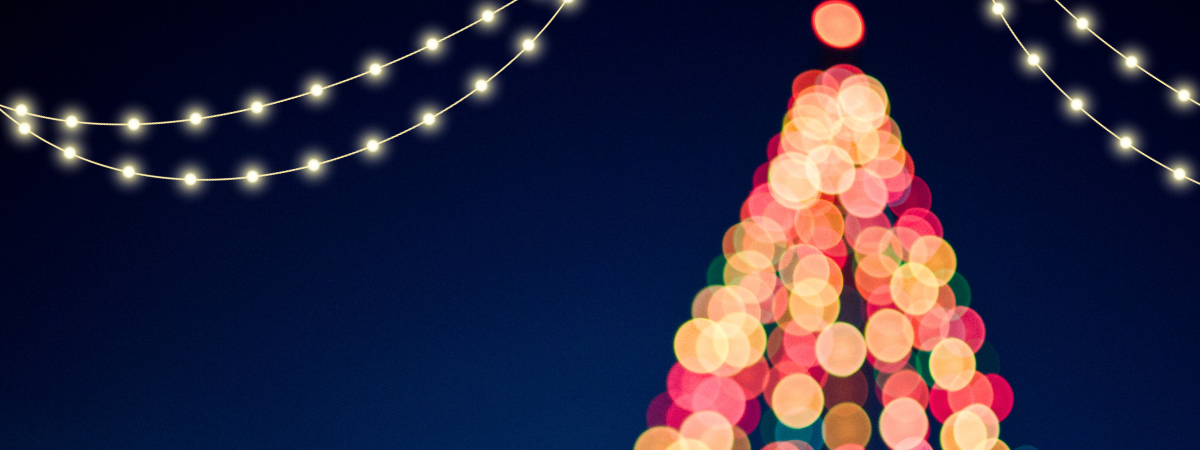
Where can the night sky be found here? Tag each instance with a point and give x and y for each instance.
(515, 279)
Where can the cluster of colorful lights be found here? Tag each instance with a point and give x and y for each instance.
(1131, 62)
(836, 284)
(20, 113)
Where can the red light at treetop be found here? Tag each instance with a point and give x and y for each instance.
(838, 24)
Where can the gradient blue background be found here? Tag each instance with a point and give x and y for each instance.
(515, 280)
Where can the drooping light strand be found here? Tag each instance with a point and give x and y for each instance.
(1130, 61)
(375, 69)
(429, 118)
(1077, 104)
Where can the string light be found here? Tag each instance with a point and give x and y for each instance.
(375, 69)
(195, 118)
(129, 171)
(1082, 23)
(998, 8)
(23, 128)
(256, 107)
(372, 145)
(69, 152)
(317, 90)
(1184, 95)
(1034, 59)
(488, 16)
(134, 124)
(72, 121)
(528, 45)
(1130, 61)
(1077, 104)
(190, 179)
(252, 176)
(481, 85)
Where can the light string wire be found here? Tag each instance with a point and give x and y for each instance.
(265, 105)
(1034, 60)
(1122, 55)
(281, 172)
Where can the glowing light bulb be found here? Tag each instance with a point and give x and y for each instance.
(429, 118)
(488, 16)
(376, 69)
(190, 179)
(23, 128)
(22, 110)
(127, 171)
(69, 152)
(1126, 142)
(1184, 95)
(252, 176)
(256, 107)
(134, 124)
(314, 165)
(568, 1)
(432, 44)
(1180, 174)
(1082, 23)
(317, 90)
(72, 121)
(481, 85)
(1034, 59)
(1077, 104)
(998, 8)
(372, 145)
(195, 119)
(1131, 62)
(528, 45)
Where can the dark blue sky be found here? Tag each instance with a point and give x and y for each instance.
(515, 281)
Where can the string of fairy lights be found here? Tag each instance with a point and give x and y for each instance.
(257, 107)
(1082, 23)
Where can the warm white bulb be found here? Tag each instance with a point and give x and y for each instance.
(317, 90)
(998, 9)
(568, 1)
(252, 176)
(72, 121)
(429, 118)
(313, 165)
(1077, 104)
(372, 145)
(128, 172)
(1034, 59)
(488, 16)
(22, 110)
(1082, 23)
(376, 69)
(1184, 95)
(432, 44)
(481, 85)
(257, 107)
(1131, 62)
(528, 45)
(23, 128)
(190, 179)
(69, 152)
(195, 118)
(134, 124)
(1126, 142)
(1180, 174)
